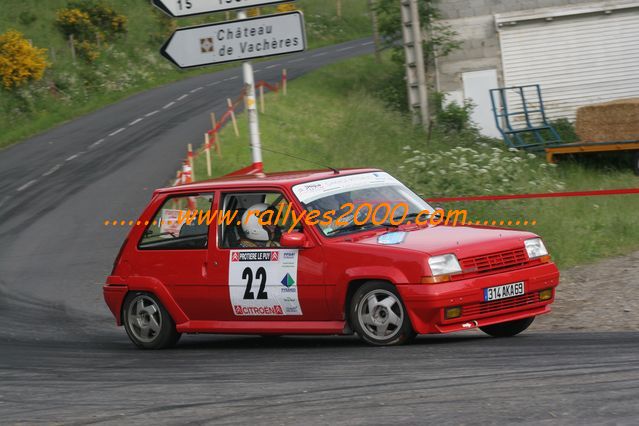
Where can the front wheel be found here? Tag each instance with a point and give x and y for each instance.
(378, 315)
(508, 329)
(148, 323)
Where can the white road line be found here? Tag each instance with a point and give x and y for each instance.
(151, 113)
(367, 43)
(319, 54)
(120, 130)
(296, 60)
(169, 105)
(233, 78)
(214, 83)
(73, 157)
(345, 48)
(256, 71)
(197, 89)
(182, 97)
(95, 144)
(136, 121)
(51, 170)
(26, 185)
(273, 66)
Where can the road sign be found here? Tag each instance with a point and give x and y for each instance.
(181, 8)
(236, 40)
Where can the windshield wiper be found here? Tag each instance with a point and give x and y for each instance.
(354, 227)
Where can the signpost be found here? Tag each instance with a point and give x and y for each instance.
(236, 40)
(182, 8)
(242, 39)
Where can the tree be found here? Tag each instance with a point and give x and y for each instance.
(20, 61)
(440, 38)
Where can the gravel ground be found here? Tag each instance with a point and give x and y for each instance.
(597, 297)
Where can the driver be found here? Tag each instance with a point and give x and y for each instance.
(256, 235)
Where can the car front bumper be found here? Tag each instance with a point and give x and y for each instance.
(426, 303)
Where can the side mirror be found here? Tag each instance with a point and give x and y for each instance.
(293, 240)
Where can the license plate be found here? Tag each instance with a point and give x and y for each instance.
(504, 291)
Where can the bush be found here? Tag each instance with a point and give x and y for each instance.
(88, 20)
(20, 61)
(482, 169)
(452, 117)
(27, 18)
(88, 51)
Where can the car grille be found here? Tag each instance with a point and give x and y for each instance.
(500, 305)
(491, 262)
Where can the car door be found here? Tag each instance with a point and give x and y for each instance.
(265, 283)
(175, 251)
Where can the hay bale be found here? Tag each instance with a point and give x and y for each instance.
(608, 122)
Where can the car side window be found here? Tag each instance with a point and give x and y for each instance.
(243, 211)
(182, 223)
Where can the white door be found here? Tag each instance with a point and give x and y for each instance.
(477, 86)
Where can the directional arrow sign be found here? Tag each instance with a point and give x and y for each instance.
(236, 40)
(180, 8)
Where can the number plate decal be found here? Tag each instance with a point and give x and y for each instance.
(504, 291)
(264, 282)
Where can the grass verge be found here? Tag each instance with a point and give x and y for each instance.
(332, 117)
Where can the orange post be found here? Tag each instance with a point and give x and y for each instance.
(216, 136)
(191, 162)
(207, 150)
(233, 119)
(284, 81)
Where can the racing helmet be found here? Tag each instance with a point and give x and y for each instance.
(251, 225)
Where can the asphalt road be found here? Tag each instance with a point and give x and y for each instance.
(62, 360)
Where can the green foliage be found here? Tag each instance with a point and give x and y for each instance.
(452, 117)
(347, 125)
(27, 18)
(128, 63)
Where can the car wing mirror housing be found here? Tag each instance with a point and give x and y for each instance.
(295, 240)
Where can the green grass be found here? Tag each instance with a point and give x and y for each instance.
(333, 117)
(128, 65)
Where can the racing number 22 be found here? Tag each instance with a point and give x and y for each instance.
(260, 274)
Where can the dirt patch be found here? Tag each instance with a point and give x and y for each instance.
(601, 296)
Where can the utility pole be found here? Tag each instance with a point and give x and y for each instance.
(251, 107)
(415, 67)
(375, 23)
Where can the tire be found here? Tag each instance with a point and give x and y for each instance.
(147, 323)
(636, 163)
(378, 315)
(508, 329)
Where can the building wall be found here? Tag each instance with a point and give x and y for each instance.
(474, 21)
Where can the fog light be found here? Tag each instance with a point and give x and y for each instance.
(545, 294)
(451, 313)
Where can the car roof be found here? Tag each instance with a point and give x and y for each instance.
(263, 179)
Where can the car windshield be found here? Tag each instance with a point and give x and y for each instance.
(354, 203)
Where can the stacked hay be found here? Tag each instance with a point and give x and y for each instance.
(609, 122)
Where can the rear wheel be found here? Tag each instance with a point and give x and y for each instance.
(508, 329)
(148, 323)
(378, 315)
(636, 163)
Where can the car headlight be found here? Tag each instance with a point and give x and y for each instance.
(446, 264)
(535, 248)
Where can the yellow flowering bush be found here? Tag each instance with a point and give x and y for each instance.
(74, 22)
(286, 7)
(20, 61)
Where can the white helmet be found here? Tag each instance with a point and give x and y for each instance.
(251, 226)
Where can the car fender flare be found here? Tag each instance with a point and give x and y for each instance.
(158, 289)
(364, 273)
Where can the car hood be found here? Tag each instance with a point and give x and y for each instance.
(463, 241)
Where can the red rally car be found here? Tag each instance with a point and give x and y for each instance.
(228, 271)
